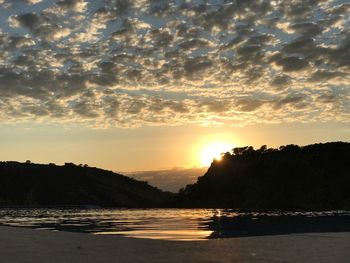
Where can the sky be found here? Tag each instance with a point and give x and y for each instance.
(151, 85)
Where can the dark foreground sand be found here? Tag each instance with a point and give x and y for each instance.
(30, 245)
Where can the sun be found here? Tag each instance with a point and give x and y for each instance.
(213, 151)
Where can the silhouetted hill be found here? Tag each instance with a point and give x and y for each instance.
(312, 177)
(28, 184)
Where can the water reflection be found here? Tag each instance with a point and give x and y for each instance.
(260, 224)
(176, 224)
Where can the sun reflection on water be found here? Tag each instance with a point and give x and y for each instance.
(176, 224)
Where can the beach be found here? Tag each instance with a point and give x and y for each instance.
(36, 245)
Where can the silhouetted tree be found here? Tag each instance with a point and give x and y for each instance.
(28, 184)
(290, 177)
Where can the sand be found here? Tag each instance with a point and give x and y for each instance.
(32, 245)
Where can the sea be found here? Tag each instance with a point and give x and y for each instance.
(176, 224)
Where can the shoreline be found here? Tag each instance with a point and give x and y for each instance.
(35, 245)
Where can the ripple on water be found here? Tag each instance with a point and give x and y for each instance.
(176, 224)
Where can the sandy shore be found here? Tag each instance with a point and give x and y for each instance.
(30, 245)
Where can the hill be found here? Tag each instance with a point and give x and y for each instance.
(312, 177)
(28, 184)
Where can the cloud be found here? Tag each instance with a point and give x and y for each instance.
(281, 81)
(249, 104)
(292, 63)
(133, 63)
(76, 5)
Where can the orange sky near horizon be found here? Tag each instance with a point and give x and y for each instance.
(151, 148)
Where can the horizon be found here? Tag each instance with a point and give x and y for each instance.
(173, 179)
(281, 135)
(146, 86)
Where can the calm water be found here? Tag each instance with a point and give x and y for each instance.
(176, 224)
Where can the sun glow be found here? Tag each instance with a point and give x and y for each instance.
(213, 151)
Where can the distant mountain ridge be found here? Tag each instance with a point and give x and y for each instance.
(29, 184)
(312, 177)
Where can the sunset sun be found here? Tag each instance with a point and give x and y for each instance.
(213, 151)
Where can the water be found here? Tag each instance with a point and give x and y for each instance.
(176, 224)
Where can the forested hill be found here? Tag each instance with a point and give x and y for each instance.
(28, 184)
(312, 177)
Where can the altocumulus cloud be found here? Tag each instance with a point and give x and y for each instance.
(151, 62)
